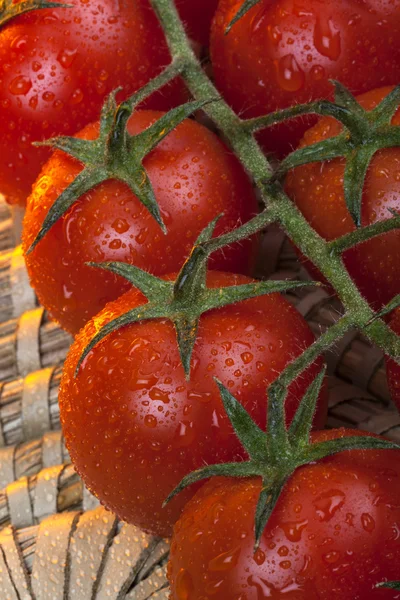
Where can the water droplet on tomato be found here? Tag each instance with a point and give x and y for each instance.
(294, 529)
(20, 85)
(328, 503)
(368, 522)
(76, 97)
(184, 434)
(327, 38)
(142, 236)
(184, 585)
(262, 586)
(120, 225)
(225, 561)
(283, 551)
(259, 557)
(157, 394)
(317, 72)
(290, 76)
(19, 43)
(66, 57)
(258, 20)
(246, 357)
(150, 421)
(331, 557)
(48, 96)
(33, 101)
(142, 382)
(274, 34)
(204, 397)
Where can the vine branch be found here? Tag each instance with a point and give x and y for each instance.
(279, 207)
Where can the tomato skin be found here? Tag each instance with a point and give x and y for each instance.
(56, 68)
(333, 534)
(284, 52)
(317, 190)
(197, 16)
(195, 178)
(135, 427)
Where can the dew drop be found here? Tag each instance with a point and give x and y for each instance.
(317, 72)
(225, 561)
(331, 557)
(20, 85)
(327, 38)
(294, 529)
(150, 421)
(203, 397)
(328, 503)
(120, 225)
(157, 394)
(76, 97)
(289, 75)
(368, 522)
(66, 57)
(246, 357)
(184, 434)
(259, 557)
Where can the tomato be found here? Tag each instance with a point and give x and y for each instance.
(133, 424)
(317, 189)
(56, 68)
(333, 534)
(197, 16)
(284, 52)
(195, 179)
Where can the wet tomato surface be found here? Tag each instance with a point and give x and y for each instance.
(333, 534)
(56, 68)
(197, 16)
(285, 52)
(317, 189)
(194, 177)
(133, 424)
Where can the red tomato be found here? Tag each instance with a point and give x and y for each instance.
(56, 68)
(392, 368)
(333, 534)
(284, 52)
(195, 178)
(197, 15)
(317, 189)
(133, 424)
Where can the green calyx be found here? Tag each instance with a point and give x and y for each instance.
(246, 6)
(364, 133)
(116, 154)
(10, 9)
(184, 300)
(275, 455)
(391, 585)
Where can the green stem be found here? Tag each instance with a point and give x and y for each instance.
(320, 107)
(255, 225)
(363, 234)
(280, 207)
(310, 354)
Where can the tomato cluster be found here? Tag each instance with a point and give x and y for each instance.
(135, 421)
